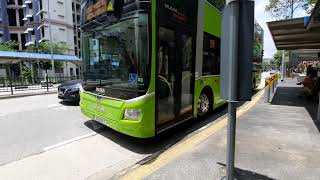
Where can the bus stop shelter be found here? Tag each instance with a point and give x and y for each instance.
(298, 34)
(12, 57)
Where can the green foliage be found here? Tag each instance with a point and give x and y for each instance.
(26, 73)
(45, 47)
(9, 46)
(277, 59)
(283, 9)
(217, 3)
(45, 65)
(265, 66)
(58, 66)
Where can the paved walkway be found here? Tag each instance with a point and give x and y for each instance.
(279, 140)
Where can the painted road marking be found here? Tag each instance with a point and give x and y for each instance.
(64, 108)
(69, 141)
(54, 105)
(166, 157)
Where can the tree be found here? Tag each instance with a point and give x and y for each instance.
(45, 65)
(277, 59)
(45, 47)
(285, 9)
(9, 46)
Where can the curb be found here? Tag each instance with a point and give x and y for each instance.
(26, 95)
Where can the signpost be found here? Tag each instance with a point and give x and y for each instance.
(236, 65)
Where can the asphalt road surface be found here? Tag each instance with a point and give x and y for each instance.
(31, 126)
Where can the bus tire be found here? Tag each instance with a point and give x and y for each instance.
(205, 103)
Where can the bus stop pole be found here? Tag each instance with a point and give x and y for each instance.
(232, 94)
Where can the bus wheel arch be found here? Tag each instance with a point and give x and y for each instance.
(205, 101)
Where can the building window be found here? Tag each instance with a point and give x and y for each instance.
(12, 17)
(11, 2)
(21, 16)
(72, 6)
(23, 41)
(14, 37)
(40, 5)
(30, 6)
(211, 55)
(20, 2)
(42, 32)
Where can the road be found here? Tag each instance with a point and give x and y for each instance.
(29, 124)
(47, 139)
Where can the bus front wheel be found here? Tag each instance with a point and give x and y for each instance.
(204, 104)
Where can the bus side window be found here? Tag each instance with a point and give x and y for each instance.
(211, 55)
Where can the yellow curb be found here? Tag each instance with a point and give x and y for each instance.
(174, 152)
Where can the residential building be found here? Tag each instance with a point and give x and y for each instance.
(59, 25)
(11, 22)
(28, 22)
(62, 20)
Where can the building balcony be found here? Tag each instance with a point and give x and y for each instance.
(29, 16)
(28, 30)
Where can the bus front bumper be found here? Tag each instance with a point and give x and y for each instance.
(143, 128)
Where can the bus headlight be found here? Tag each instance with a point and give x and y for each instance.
(132, 114)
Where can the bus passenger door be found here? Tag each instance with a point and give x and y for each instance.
(166, 81)
(176, 34)
(175, 76)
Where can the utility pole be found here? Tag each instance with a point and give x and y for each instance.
(51, 45)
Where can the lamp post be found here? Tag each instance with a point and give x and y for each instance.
(50, 33)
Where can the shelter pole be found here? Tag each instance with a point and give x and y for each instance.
(50, 32)
(283, 66)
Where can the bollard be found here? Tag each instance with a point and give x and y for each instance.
(271, 87)
(267, 90)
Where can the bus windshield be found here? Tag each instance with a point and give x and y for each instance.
(116, 58)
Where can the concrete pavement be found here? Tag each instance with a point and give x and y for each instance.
(280, 140)
(41, 138)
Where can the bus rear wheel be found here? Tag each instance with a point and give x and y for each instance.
(204, 105)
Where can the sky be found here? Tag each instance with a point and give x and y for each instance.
(262, 17)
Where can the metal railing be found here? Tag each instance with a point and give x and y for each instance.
(271, 85)
(19, 84)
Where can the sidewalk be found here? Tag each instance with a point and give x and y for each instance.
(279, 140)
(28, 92)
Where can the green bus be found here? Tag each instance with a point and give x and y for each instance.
(257, 54)
(150, 65)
